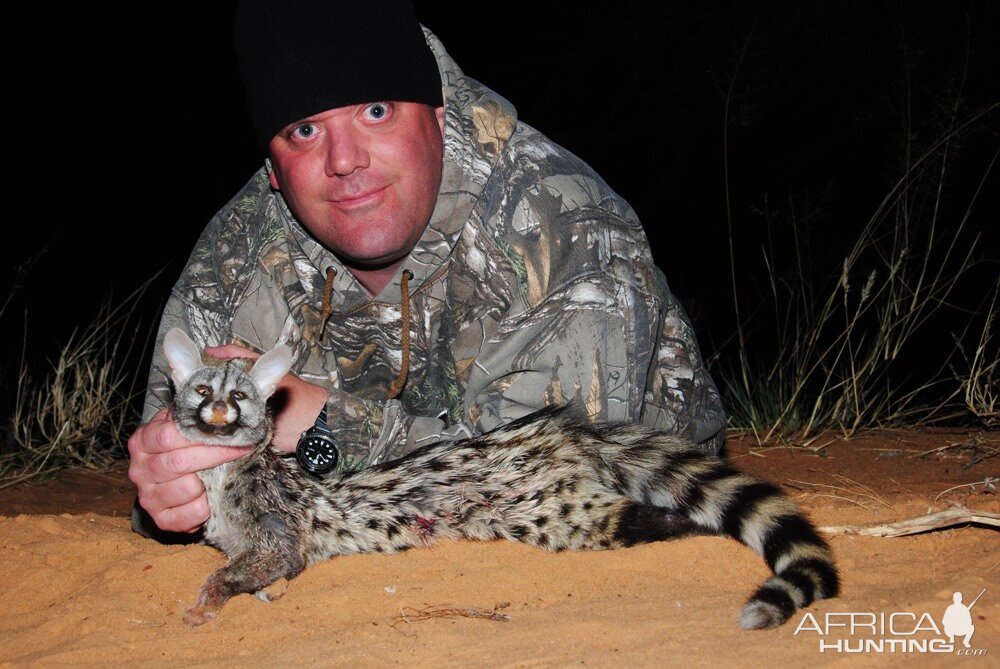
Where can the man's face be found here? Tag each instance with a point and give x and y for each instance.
(363, 179)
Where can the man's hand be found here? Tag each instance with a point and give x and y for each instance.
(163, 465)
(301, 401)
(164, 462)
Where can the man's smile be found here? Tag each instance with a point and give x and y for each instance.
(362, 199)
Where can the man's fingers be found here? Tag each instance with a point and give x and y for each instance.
(227, 351)
(178, 492)
(159, 435)
(168, 466)
(163, 466)
(186, 518)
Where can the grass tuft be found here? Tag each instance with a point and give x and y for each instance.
(851, 352)
(77, 414)
(978, 383)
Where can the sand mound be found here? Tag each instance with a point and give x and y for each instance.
(81, 589)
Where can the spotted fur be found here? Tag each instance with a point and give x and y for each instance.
(547, 479)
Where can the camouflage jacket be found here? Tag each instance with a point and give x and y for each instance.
(533, 284)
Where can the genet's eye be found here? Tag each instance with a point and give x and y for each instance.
(303, 131)
(203, 390)
(238, 395)
(377, 111)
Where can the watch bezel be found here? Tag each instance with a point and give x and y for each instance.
(320, 432)
(316, 441)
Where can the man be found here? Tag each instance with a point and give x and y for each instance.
(957, 620)
(438, 267)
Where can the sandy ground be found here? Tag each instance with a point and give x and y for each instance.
(80, 589)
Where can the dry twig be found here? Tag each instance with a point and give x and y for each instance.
(977, 445)
(989, 484)
(411, 615)
(935, 521)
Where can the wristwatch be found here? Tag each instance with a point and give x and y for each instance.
(316, 451)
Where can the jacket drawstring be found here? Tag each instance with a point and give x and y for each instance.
(404, 367)
(331, 274)
(404, 289)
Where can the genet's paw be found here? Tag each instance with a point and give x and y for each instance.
(199, 614)
(272, 592)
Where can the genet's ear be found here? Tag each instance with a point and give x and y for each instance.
(270, 368)
(182, 354)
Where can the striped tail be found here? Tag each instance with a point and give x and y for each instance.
(760, 516)
(757, 514)
(723, 500)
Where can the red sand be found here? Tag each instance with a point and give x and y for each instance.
(80, 589)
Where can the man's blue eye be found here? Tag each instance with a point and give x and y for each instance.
(378, 110)
(304, 131)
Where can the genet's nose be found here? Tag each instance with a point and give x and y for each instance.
(220, 413)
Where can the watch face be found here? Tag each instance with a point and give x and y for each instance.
(317, 454)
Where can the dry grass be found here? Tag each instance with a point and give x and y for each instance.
(77, 414)
(837, 356)
(979, 382)
(846, 490)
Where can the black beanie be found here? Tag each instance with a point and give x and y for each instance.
(302, 57)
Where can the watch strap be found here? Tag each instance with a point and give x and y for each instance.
(320, 423)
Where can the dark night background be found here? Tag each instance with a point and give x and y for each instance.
(135, 134)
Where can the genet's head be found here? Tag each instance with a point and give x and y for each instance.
(346, 100)
(222, 401)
